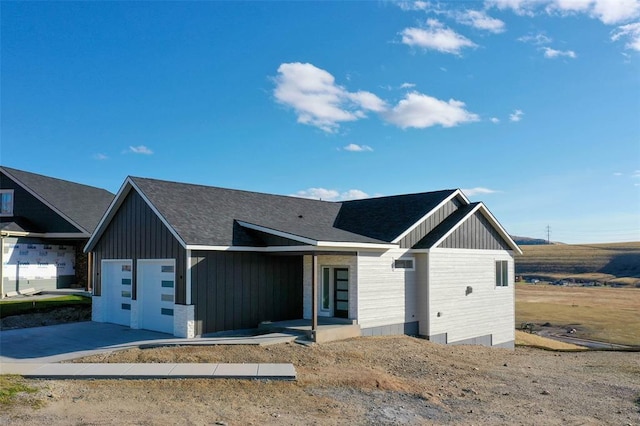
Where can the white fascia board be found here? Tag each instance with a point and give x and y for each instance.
(485, 211)
(58, 235)
(457, 225)
(355, 245)
(280, 249)
(21, 234)
(45, 202)
(126, 187)
(108, 214)
(157, 213)
(277, 233)
(456, 193)
(487, 214)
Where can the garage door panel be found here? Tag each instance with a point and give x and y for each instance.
(156, 290)
(117, 287)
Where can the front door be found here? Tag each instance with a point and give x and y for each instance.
(341, 292)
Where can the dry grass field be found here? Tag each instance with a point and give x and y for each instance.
(597, 313)
(616, 263)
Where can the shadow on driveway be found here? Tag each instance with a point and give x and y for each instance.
(61, 342)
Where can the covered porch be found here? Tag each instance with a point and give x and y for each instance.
(325, 329)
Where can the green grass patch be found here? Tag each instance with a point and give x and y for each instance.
(11, 386)
(17, 307)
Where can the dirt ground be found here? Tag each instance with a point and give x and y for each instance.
(374, 380)
(53, 317)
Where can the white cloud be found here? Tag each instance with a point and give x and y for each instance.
(516, 115)
(630, 32)
(519, 7)
(616, 11)
(553, 53)
(617, 174)
(636, 174)
(318, 100)
(536, 40)
(420, 111)
(140, 149)
(100, 156)
(414, 5)
(357, 148)
(331, 194)
(436, 37)
(609, 12)
(494, 120)
(480, 20)
(367, 100)
(470, 192)
(407, 85)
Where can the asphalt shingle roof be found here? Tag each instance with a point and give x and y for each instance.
(204, 215)
(83, 204)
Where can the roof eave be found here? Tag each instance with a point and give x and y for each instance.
(454, 194)
(44, 201)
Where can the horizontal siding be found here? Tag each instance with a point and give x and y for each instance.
(487, 310)
(429, 223)
(475, 233)
(135, 232)
(385, 296)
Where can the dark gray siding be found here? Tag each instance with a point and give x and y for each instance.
(135, 232)
(32, 211)
(476, 233)
(429, 224)
(237, 290)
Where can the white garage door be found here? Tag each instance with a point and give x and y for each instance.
(156, 293)
(116, 288)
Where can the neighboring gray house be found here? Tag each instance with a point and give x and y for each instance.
(44, 225)
(189, 260)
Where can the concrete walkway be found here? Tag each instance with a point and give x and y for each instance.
(34, 352)
(151, 371)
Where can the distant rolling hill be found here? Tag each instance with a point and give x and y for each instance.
(526, 241)
(612, 263)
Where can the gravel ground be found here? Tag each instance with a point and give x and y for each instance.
(374, 380)
(56, 316)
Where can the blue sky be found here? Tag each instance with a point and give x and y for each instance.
(530, 106)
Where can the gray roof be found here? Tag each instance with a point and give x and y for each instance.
(205, 215)
(82, 204)
(444, 227)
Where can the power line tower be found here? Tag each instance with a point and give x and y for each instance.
(548, 234)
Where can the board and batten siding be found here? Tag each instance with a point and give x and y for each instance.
(486, 310)
(386, 296)
(39, 215)
(476, 233)
(339, 261)
(430, 223)
(136, 232)
(238, 290)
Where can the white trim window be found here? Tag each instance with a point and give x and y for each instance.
(502, 273)
(7, 202)
(404, 264)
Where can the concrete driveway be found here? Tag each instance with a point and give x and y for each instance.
(61, 342)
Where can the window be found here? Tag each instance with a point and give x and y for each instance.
(325, 289)
(405, 264)
(502, 273)
(7, 202)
